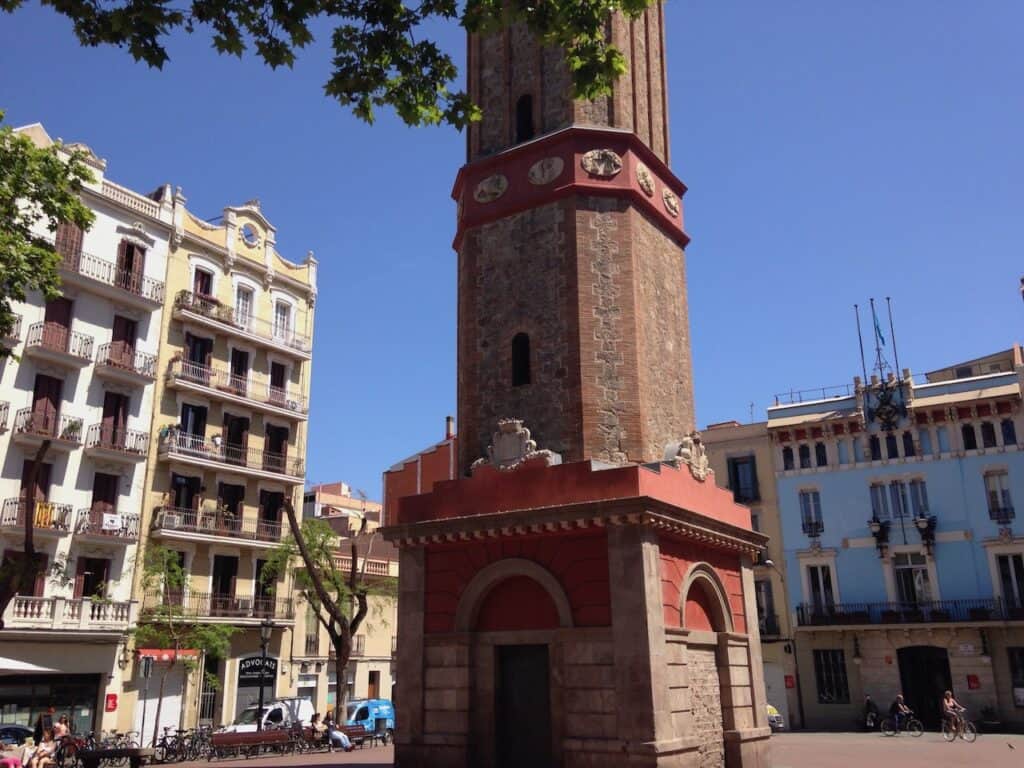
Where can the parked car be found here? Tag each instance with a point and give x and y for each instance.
(775, 720)
(375, 715)
(276, 714)
(14, 734)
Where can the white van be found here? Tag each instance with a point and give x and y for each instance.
(276, 714)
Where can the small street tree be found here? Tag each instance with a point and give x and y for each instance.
(39, 188)
(339, 599)
(384, 53)
(166, 624)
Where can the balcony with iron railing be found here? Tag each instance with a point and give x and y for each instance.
(1003, 515)
(176, 522)
(768, 624)
(247, 390)
(813, 528)
(10, 340)
(5, 410)
(112, 280)
(122, 362)
(198, 451)
(107, 525)
(223, 317)
(114, 443)
(312, 645)
(31, 427)
(47, 516)
(56, 343)
(69, 614)
(924, 612)
(225, 608)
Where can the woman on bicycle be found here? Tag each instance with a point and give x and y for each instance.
(951, 709)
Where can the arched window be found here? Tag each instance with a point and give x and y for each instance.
(1009, 432)
(820, 455)
(876, 448)
(524, 118)
(805, 456)
(988, 434)
(520, 360)
(908, 444)
(787, 458)
(970, 439)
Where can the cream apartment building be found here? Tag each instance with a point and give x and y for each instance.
(84, 378)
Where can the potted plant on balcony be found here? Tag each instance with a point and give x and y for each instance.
(72, 431)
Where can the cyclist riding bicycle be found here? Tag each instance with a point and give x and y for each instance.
(951, 710)
(899, 711)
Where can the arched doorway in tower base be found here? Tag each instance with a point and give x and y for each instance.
(924, 677)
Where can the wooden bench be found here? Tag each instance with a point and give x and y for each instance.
(357, 734)
(249, 744)
(91, 758)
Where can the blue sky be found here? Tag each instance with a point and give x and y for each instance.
(833, 151)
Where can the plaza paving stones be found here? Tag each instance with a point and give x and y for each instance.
(873, 750)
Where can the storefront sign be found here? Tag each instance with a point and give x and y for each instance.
(110, 703)
(790, 681)
(252, 672)
(973, 683)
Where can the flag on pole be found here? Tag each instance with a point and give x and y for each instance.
(878, 328)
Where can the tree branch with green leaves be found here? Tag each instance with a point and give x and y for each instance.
(382, 56)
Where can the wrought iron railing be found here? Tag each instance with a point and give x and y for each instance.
(217, 605)
(813, 528)
(186, 444)
(1002, 515)
(248, 386)
(214, 309)
(47, 515)
(220, 523)
(117, 354)
(58, 338)
(5, 409)
(313, 644)
(48, 425)
(933, 611)
(15, 333)
(109, 273)
(108, 523)
(768, 624)
(113, 438)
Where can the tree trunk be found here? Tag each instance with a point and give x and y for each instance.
(341, 686)
(160, 699)
(15, 577)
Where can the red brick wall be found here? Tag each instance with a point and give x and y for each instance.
(578, 560)
(676, 559)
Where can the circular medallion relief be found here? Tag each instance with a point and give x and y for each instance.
(671, 202)
(491, 188)
(547, 170)
(645, 179)
(601, 162)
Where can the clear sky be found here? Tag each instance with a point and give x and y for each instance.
(833, 151)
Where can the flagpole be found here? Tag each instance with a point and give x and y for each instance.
(892, 335)
(860, 340)
(878, 347)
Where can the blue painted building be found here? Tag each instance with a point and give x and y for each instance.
(904, 565)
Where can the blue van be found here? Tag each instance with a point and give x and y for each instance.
(375, 715)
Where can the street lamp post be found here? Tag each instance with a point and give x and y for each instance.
(266, 628)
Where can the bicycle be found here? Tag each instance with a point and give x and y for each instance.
(68, 748)
(170, 748)
(959, 727)
(911, 725)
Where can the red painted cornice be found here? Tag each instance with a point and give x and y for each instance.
(569, 145)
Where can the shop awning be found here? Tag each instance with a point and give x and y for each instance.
(166, 654)
(17, 667)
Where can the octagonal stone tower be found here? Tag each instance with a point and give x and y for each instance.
(580, 594)
(572, 283)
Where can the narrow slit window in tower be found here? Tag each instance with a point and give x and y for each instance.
(524, 118)
(520, 360)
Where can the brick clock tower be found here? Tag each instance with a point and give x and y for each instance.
(581, 594)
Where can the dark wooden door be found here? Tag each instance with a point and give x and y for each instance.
(198, 352)
(236, 439)
(38, 585)
(278, 383)
(57, 323)
(130, 261)
(275, 455)
(522, 706)
(68, 243)
(202, 283)
(373, 685)
(115, 420)
(42, 481)
(91, 576)
(239, 379)
(46, 396)
(104, 494)
(122, 342)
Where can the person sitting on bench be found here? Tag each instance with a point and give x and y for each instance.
(335, 736)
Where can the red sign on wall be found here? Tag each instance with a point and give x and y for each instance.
(790, 681)
(888, 659)
(973, 683)
(110, 705)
